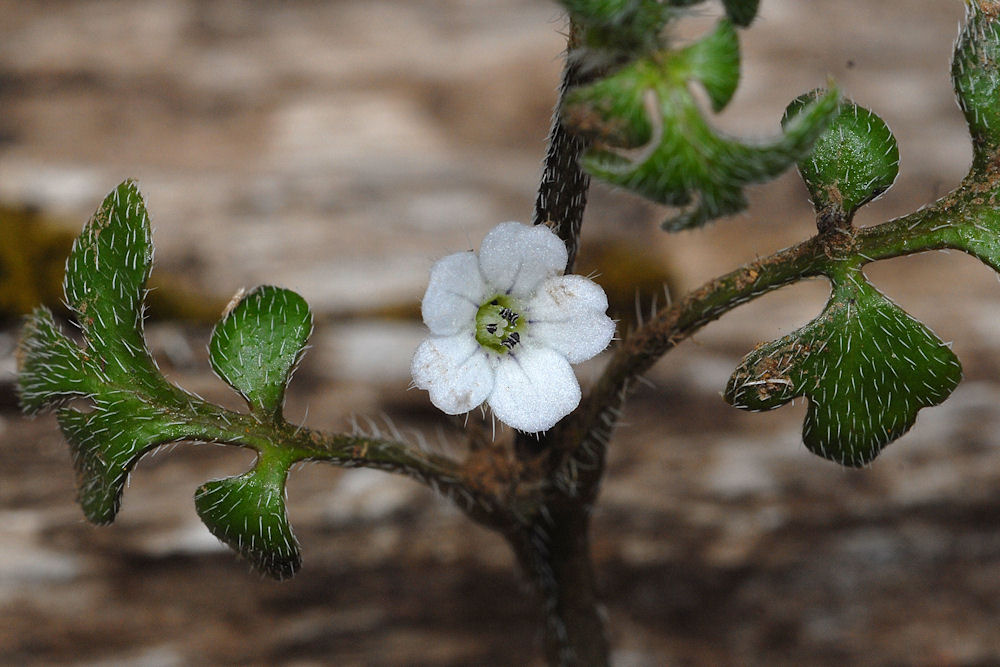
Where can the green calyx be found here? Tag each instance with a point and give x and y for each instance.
(500, 323)
(852, 162)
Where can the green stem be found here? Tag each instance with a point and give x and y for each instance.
(205, 422)
(958, 221)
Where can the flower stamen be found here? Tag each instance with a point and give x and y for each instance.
(499, 325)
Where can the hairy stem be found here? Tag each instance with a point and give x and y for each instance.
(562, 192)
(956, 221)
(555, 553)
(205, 422)
(552, 546)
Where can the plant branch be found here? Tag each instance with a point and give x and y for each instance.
(562, 192)
(960, 220)
(206, 422)
(555, 554)
(438, 472)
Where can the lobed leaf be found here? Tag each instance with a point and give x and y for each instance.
(865, 366)
(52, 368)
(131, 408)
(714, 62)
(979, 233)
(975, 72)
(618, 29)
(852, 162)
(677, 158)
(105, 286)
(131, 404)
(248, 514)
(108, 441)
(258, 344)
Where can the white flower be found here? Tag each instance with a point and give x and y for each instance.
(505, 327)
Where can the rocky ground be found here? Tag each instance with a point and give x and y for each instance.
(338, 148)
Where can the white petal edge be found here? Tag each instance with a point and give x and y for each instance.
(454, 293)
(454, 370)
(534, 389)
(515, 257)
(568, 315)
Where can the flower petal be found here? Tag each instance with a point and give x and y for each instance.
(534, 389)
(454, 294)
(515, 258)
(567, 314)
(455, 370)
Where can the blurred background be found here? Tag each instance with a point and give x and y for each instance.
(338, 148)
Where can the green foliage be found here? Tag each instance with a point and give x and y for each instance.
(975, 73)
(979, 234)
(651, 137)
(866, 367)
(131, 408)
(248, 514)
(741, 12)
(614, 31)
(852, 162)
(105, 285)
(617, 29)
(132, 405)
(258, 344)
(52, 368)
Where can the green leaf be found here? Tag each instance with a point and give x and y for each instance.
(978, 232)
(107, 442)
(114, 406)
(714, 62)
(852, 162)
(678, 157)
(105, 285)
(258, 344)
(132, 407)
(618, 29)
(741, 12)
(865, 366)
(52, 368)
(975, 73)
(248, 514)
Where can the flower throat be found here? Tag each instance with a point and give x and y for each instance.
(499, 324)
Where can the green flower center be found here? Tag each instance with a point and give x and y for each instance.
(500, 324)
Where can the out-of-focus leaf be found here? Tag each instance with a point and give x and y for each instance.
(650, 137)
